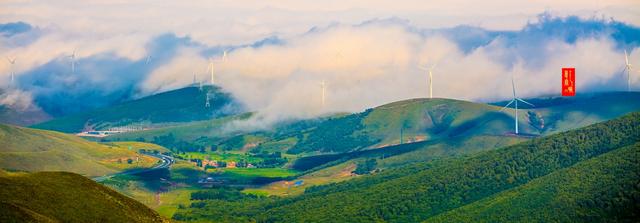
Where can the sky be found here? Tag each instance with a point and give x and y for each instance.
(367, 52)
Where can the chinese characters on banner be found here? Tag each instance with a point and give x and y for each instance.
(568, 81)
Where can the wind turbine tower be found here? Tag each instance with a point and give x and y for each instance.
(627, 67)
(323, 85)
(211, 65)
(207, 104)
(12, 62)
(430, 70)
(515, 99)
(213, 82)
(73, 61)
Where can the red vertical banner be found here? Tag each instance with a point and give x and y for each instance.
(568, 81)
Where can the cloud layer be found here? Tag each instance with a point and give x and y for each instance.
(364, 64)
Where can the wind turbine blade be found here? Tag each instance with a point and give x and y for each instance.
(523, 101)
(513, 87)
(626, 58)
(423, 68)
(506, 106)
(434, 65)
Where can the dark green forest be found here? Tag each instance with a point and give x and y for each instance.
(554, 165)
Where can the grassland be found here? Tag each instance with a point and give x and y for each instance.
(332, 174)
(255, 172)
(165, 201)
(40, 150)
(138, 146)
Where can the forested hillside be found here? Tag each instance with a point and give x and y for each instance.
(425, 190)
(604, 188)
(182, 105)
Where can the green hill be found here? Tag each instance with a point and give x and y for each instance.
(423, 191)
(41, 150)
(423, 119)
(600, 189)
(415, 120)
(411, 120)
(182, 105)
(65, 197)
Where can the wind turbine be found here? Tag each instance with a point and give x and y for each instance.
(224, 56)
(430, 69)
(515, 99)
(323, 85)
(12, 62)
(147, 60)
(211, 65)
(73, 61)
(206, 104)
(627, 67)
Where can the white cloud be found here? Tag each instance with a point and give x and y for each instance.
(364, 66)
(17, 100)
(376, 64)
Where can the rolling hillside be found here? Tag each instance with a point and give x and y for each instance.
(580, 160)
(415, 120)
(422, 119)
(182, 105)
(65, 197)
(41, 150)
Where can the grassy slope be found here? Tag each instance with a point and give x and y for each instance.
(433, 118)
(182, 105)
(137, 146)
(608, 182)
(40, 150)
(65, 197)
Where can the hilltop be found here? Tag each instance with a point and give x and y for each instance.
(65, 197)
(181, 105)
(33, 150)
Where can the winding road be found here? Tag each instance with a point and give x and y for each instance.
(166, 163)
